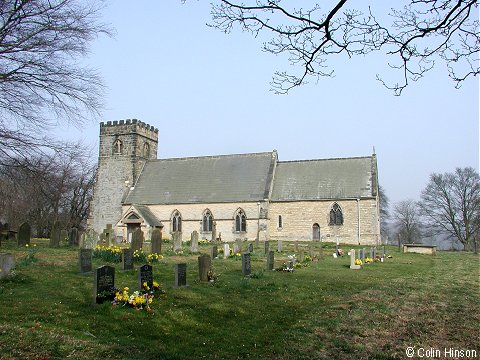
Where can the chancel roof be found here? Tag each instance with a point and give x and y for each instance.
(325, 179)
(209, 179)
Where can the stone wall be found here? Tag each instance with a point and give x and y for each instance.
(119, 167)
(298, 219)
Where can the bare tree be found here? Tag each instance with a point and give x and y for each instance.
(407, 222)
(451, 203)
(417, 35)
(384, 212)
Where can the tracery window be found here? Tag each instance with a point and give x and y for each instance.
(176, 221)
(336, 215)
(207, 221)
(240, 221)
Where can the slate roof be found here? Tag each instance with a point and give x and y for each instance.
(209, 179)
(325, 179)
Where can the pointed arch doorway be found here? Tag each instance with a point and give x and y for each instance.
(315, 232)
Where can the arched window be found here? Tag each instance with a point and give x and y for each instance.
(280, 221)
(146, 150)
(316, 232)
(336, 215)
(176, 221)
(207, 221)
(117, 146)
(240, 221)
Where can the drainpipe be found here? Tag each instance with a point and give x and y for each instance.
(358, 219)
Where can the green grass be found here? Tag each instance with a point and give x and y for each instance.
(322, 311)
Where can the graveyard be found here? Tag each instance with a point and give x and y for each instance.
(242, 300)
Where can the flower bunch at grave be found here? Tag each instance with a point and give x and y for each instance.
(139, 300)
(30, 257)
(110, 253)
(368, 260)
(139, 256)
(154, 258)
(359, 262)
(236, 256)
(300, 265)
(203, 242)
(307, 259)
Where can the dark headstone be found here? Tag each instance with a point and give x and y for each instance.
(180, 275)
(137, 240)
(246, 264)
(145, 275)
(214, 252)
(85, 260)
(270, 260)
(156, 241)
(24, 234)
(73, 237)
(363, 255)
(127, 259)
(104, 284)
(204, 266)
(250, 248)
(267, 247)
(55, 235)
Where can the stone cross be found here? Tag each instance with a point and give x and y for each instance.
(24, 234)
(156, 241)
(204, 266)
(194, 241)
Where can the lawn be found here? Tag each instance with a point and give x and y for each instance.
(321, 311)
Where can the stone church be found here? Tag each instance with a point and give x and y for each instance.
(241, 196)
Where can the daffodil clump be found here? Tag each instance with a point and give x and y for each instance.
(139, 256)
(110, 253)
(359, 262)
(236, 256)
(154, 258)
(203, 242)
(368, 260)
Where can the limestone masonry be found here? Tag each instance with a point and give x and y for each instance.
(241, 196)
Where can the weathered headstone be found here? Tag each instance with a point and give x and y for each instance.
(55, 235)
(204, 266)
(24, 234)
(214, 252)
(177, 241)
(7, 263)
(226, 251)
(250, 248)
(194, 241)
(127, 259)
(267, 247)
(280, 246)
(85, 260)
(145, 277)
(363, 255)
(371, 253)
(352, 260)
(271, 260)
(156, 241)
(104, 284)
(214, 232)
(246, 264)
(91, 239)
(238, 242)
(296, 246)
(137, 240)
(374, 252)
(73, 237)
(180, 275)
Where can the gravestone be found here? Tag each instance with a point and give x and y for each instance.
(145, 275)
(239, 246)
(156, 241)
(194, 241)
(336, 249)
(127, 259)
(280, 246)
(267, 247)
(180, 275)
(214, 232)
(83, 240)
(108, 235)
(296, 246)
(371, 253)
(91, 239)
(204, 266)
(363, 255)
(73, 237)
(250, 248)
(85, 260)
(63, 235)
(226, 251)
(271, 260)
(104, 284)
(137, 240)
(7, 263)
(246, 264)
(24, 234)
(55, 235)
(352, 260)
(177, 241)
(374, 252)
(214, 252)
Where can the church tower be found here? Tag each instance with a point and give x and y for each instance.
(125, 146)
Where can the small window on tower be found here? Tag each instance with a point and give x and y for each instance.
(146, 150)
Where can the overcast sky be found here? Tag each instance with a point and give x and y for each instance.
(208, 93)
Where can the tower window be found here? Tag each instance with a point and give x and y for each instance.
(146, 150)
(280, 221)
(336, 215)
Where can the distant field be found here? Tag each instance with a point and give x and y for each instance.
(321, 311)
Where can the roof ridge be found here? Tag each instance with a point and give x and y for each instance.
(328, 159)
(214, 156)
